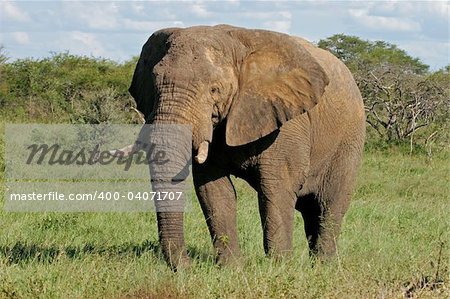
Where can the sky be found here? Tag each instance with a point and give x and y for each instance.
(118, 29)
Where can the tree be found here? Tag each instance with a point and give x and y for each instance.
(349, 49)
(399, 93)
(362, 55)
(399, 103)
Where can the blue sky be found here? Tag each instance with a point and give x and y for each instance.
(117, 30)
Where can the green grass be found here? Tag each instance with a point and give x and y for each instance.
(394, 243)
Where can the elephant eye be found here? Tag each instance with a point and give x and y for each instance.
(214, 90)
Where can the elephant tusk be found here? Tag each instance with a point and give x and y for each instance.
(202, 152)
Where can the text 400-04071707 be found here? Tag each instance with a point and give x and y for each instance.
(102, 196)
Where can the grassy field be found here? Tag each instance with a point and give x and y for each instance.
(394, 243)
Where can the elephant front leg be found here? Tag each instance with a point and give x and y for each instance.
(277, 218)
(217, 198)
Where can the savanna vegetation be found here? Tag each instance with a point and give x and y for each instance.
(395, 238)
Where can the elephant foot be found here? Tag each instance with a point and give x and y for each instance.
(178, 262)
(319, 256)
(279, 255)
(228, 259)
(227, 250)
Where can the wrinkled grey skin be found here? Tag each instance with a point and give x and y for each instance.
(272, 109)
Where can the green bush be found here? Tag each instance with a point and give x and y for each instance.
(65, 88)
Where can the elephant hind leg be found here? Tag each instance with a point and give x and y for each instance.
(322, 221)
(323, 212)
(311, 211)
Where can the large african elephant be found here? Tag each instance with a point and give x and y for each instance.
(267, 107)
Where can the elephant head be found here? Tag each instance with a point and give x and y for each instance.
(252, 81)
(255, 80)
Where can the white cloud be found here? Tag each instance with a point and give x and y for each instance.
(138, 7)
(383, 23)
(86, 43)
(117, 29)
(199, 10)
(21, 37)
(13, 12)
(285, 14)
(276, 20)
(97, 15)
(233, 2)
(437, 9)
(138, 25)
(436, 54)
(262, 15)
(147, 26)
(280, 26)
(440, 8)
(178, 24)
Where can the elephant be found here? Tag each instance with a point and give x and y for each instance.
(267, 107)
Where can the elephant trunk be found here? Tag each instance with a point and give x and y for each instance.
(166, 179)
(171, 238)
(177, 107)
(173, 109)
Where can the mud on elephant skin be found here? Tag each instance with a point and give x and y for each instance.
(267, 107)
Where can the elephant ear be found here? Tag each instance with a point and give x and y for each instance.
(276, 85)
(142, 87)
